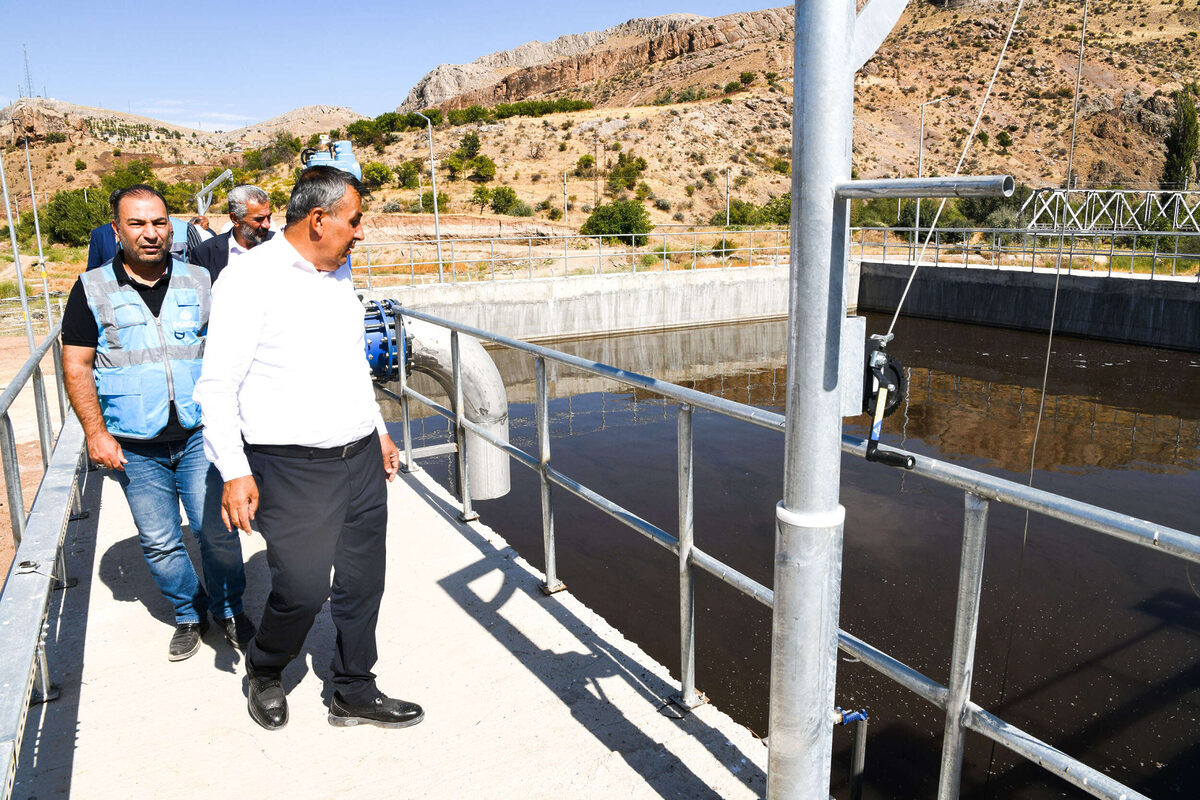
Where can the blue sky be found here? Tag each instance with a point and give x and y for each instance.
(220, 65)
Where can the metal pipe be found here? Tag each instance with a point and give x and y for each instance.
(542, 412)
(460, 435)
(204, 196)
(16, 251)
(981, 186)
(966, 627)
(12, 478)
(42, 411)
(58, 379)
(37, 229)
(437, 227)
(858, 759)
(688, 696)
(809, 519)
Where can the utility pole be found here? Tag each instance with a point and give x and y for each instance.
(596, 168)
(437, 228)
(566, 206)
(28, 75)
(420, 193)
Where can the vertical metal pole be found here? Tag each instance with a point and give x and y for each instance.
(727, 196)
(412, 265)
(751, 248)
(962, 659)
(493, 243)
(437, 228)
(566, 205)
(566, 257)
(56, 350)
(1154, 256)
(600, 255)
(420, 194)
(531, 258)
(12, 479)
(42, 410)
(37, 229)
(12, 236)
(688, 696)
(542, 412)
(460, 434)
(409, 465)
(810, 518)
(632, 253)
(858, 760)
(453, 268)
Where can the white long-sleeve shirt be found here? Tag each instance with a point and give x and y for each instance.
(284, 362)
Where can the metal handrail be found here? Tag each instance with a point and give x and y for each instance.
(38, 566)
(391, 263)
(979, 489)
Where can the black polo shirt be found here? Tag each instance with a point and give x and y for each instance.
(79, 329)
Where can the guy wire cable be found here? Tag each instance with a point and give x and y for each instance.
(1012, 617)
(958, 167)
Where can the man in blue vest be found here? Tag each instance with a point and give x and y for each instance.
(133, 336)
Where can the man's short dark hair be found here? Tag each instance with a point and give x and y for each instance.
(137, 190)
(320, 187)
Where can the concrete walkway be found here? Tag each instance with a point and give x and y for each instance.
(525, 696)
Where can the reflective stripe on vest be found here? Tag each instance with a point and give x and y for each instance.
(144, 364)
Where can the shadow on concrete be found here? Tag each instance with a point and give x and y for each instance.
(570, 675)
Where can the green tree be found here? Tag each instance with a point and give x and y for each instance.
(131, 173)
(1183, 143)
(376, 174)
(626, 172)
(778, 210)
(406, 174)
(469, 145)
(426, 203)
(626, 221)
(481, 197)
(454, 165)
(731, 87)
(484, 169)
(279, 199)
(746, 78)
(69, 218)
(1004, 140)
(585, 166)
(740, 213)
(80, 165)
(181, 197)
(504, 198)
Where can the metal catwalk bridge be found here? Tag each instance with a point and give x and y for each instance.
(525, 695)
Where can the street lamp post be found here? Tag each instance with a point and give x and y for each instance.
(437, 228)
(726, 196)
(566, 205)
(921, 161)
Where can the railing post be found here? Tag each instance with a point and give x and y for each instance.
(44, 691)
(1154, 256)
(751, 264)
(368, 249)
(531, 258)
(453, 266)
(460, 434)
(45, 426)
(493, 242)
(12, 479)
(966, 626)
(599, 255)
(542, 413)
(633, 253)
(409, 466)
(56, 349)
(688, 697)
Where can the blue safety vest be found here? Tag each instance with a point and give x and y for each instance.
(143, 364)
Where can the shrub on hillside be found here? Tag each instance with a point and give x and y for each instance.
(624, 220)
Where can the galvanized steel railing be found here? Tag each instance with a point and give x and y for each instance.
(38, 567)
(979, 490)
(379, 265)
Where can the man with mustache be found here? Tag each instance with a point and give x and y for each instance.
(292, 424)
(133, 336)
(250, 213)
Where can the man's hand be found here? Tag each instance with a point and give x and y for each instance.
(239, 501)
(104, 450)
(391, 456)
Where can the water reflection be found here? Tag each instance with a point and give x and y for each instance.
(1087, 642)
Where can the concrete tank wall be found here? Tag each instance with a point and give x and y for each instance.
(1164, 312)
(557, 307)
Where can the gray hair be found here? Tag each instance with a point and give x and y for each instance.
(239, 196)
(320, 187)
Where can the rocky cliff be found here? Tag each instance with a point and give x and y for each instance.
(451, 80)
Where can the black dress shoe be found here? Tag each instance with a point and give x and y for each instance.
(267, 702)
(382, 712)
(238, 630)
(186, 640)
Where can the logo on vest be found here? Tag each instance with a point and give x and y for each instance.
(179, 335)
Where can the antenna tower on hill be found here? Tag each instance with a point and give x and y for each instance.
(28, 75)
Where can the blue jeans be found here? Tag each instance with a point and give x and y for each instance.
(156, 479)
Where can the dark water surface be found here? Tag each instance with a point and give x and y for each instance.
(1084, 641)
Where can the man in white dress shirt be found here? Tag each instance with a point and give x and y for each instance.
(292, 424)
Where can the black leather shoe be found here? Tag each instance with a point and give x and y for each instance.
(267, 702)
(382, 712)
(238, 631)
(186, 640)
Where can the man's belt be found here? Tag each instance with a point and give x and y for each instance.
(311, 453)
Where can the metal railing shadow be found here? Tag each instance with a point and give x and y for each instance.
(569, 675)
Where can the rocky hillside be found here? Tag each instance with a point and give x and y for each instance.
(452, 80)
(1134, 58)
(302, 122)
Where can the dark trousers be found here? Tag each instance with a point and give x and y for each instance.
(317, 514)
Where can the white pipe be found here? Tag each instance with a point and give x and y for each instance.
(485, 402)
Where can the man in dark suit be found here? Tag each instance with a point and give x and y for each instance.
(250, 212)
(102, 245)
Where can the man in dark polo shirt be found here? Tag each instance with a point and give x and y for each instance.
(133, 336)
